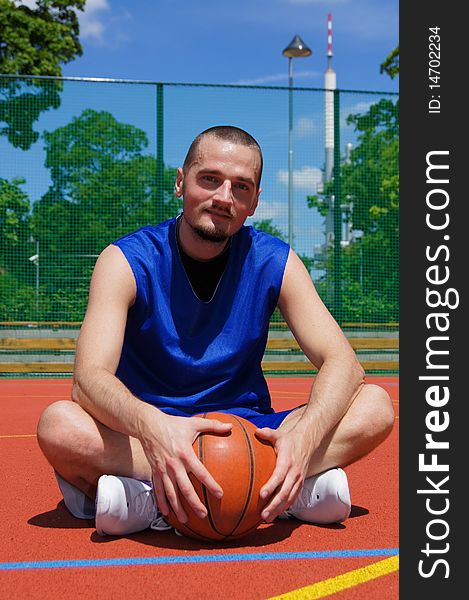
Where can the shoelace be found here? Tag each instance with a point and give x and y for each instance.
(160, 524)
(145, 506)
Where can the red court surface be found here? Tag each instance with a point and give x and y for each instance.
(46, 553)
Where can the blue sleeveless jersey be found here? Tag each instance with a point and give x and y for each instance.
(186, 356)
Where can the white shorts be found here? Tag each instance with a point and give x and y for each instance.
(75, 500)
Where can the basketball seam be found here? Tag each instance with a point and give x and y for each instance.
(250, 487)
(204, 489)
(251, 478)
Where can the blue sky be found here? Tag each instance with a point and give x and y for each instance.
(212, 41)
(225, 43)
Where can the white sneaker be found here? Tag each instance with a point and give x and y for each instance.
(324, 499)
(125, 505)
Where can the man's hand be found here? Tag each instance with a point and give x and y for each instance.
(294, 449)
(167, 443)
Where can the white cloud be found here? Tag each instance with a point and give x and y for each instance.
(361, 107)
(355, 109)
(278, 77)
(304, 127)
(307, 178)
(269, 209)
(92, 23)
(28, 3)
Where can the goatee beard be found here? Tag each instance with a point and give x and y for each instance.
(215, 236)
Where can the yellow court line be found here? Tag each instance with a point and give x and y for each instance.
(23, 435)
(321, 589)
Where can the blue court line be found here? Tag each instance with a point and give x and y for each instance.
(204, 558)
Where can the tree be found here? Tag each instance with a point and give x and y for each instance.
(102, 181)
(371, 180)
(267, 226)
(21, 103)
(16, 291)
(14, 228)
(34, 41)
(370, 188)
(391, 64)
(104, 185)
(17, 300)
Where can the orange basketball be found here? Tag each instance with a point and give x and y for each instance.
(241, 464)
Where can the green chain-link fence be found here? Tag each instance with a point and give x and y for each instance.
(82, 162)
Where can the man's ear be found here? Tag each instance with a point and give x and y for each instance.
(252, 210)
(179, 185)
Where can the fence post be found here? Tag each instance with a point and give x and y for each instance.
(337, 302)
(160, 148)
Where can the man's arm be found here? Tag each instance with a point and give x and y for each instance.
(166, 440)
(339, 379)
(95, 387)
(340, 374)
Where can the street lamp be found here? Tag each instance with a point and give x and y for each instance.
(295, 49)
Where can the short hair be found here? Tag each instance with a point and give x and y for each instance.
(228, 133)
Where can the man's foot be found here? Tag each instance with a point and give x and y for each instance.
(325, 498)
(125, 505)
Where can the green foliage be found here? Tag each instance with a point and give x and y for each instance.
(21, 104)
(17, 300)
(370, 191)
(318, 203)
(14, 228)
(391, 64)
(371, 180)
(267, 226)
(89, 144)
(103, 186)
(308, 262)
(66, 306)
(34, 41)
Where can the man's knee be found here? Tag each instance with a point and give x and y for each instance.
(59, 428)
(378, 411)
(52, 421)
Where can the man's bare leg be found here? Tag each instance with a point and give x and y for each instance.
(367, 423)
(81, 449)
(325, 496)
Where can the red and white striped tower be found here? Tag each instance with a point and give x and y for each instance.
(330, 84)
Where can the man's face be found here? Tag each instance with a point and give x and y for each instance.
(220, 188)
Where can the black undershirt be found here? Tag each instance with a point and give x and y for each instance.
(203, 275)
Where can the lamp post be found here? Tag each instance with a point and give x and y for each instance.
(34, 259)
(295, 49)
